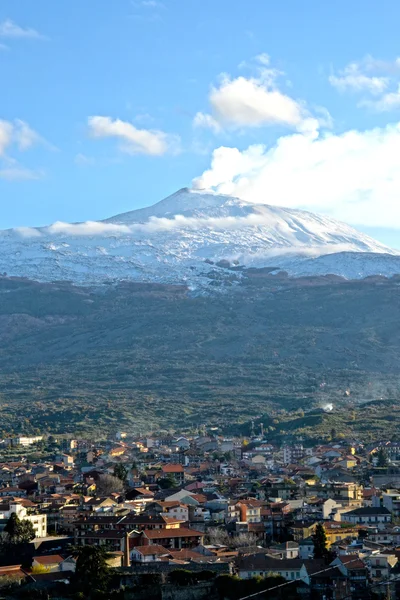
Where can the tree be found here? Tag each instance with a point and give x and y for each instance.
(121, 472)
(166, 483)
(382, 458)
(319, 539)
(333, 433)
(19, 531)
(92, 570)
(39, 569)
(108, 484)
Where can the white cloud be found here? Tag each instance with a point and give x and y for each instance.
(203, 120)
(18, 173)
(376, 77)
(24, 135)
(9, 29)
(84, 161)
(17, 132)
(6, 134)
(133, 140)
(379, 78)
(350, 79)
(245, 102)
(252, 102)
(264, 59)
(388, 102)
(353, 176)
(152, 4)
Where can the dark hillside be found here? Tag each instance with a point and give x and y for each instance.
(144, 355)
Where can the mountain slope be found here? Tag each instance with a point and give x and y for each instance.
(138, 356)
(170, 242)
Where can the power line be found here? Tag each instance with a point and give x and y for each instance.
(276, 587)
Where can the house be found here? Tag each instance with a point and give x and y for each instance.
(68, 564)
(26, 441)
(261, 565)
(174, 509)
(144, 521)
(303, 530)
(12, 572)
(175, 471)
(390, 500)
(306, 548)
(39, 521)
(183, 496)
(293, 453)
(355, 570)
(182, 537)
(249, 510)
(382, 565)
(13, 491)
(286, 550)
(113, 539)
(182, 443)
(146, 554)
(49, 563)
(348, 462)
(328, 506)
(335, 532)
(377, 516)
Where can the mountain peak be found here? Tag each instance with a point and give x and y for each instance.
(186, 202)
(183, 238)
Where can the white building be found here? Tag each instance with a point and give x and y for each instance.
(39, 521)
(292, 454)
(26, 441)
(377, 517)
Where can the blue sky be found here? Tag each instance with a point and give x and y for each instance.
(110, 106)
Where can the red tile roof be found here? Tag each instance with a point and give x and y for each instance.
(157, 534)
(52, 559)
(172, 469)
(149, 550)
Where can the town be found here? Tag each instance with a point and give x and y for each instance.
(223, 517)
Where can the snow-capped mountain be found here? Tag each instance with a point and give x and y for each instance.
(178, 239)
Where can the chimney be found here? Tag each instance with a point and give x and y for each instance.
(126, 559)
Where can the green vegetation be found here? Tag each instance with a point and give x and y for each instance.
(144, 357)
(19, 531)
(92, 572)
(320, 542)
(121, 472)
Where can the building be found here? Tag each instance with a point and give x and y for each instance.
(391, 501)
(374, 516)
(336, 532)
(286, 550)
(293, 454)
(182, 537)
(175, 471)
(382, 565)
(306, 549)
(249, 511)
(39, 521)
(26, 441)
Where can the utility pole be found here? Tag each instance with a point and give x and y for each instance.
(388, 595)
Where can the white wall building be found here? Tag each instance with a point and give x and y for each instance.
(39, 521)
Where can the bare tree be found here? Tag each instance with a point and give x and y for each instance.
(107, 484)
(216, 536)
(244, 540)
